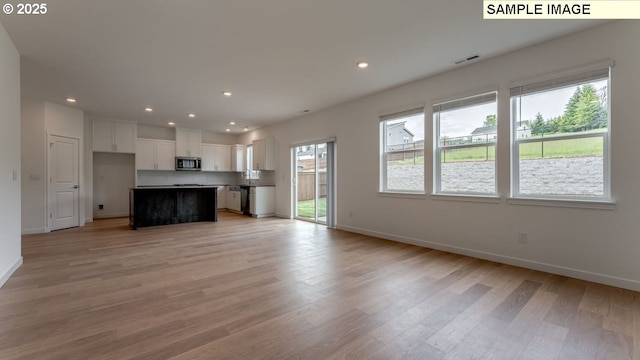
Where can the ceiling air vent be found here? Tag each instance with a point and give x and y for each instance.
(467, 59)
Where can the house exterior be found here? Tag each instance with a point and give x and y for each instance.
(398, 134)
(523, 132)
(490, 133)
(484, 134)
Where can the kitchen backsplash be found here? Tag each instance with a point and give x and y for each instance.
(186, 177)
(267, 177)
(207, 178)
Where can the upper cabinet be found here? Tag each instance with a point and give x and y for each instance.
(155, 154)
(188, 142)
(238, 158)
(113, 136)
(216, 157)
(264, 154)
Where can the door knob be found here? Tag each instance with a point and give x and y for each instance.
(75, 186)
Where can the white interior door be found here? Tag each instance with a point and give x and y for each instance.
(64, 179)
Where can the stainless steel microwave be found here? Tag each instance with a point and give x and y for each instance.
(188, 163)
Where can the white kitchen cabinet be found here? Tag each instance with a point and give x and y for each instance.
(262, 201)
(216, 157)
(238, 158)
(188, 142)
(166, 155)
(113, 136)
(234, 201)
(222, 157)
(155, 154)
(264, 154)
(207, 153)
(222, 197)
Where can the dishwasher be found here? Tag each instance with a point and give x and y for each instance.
(245, 205)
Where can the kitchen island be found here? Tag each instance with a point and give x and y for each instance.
(173, 204)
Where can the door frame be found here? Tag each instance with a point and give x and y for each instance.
(331, 175)
(48, 200)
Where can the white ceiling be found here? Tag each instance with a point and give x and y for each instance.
(277, 57)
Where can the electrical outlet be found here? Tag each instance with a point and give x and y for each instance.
(523, 238)
(350, 214)
(100, 207)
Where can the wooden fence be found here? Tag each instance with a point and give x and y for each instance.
(307, 186)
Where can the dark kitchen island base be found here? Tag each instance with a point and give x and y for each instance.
(151, 206)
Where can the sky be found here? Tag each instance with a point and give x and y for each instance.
(415, 124)
(462, 122)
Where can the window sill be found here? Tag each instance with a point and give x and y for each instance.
(406, 195)
(579, 204)
(467, 198)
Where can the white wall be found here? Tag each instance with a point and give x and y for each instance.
(598, 245)
(10, 211)
(168, 133)
(113, 175)
(214, 138)
(88, 171)
(33, 155)
(156, 132)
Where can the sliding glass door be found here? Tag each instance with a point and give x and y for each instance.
(313, 198)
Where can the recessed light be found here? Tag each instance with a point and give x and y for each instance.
(148, 109)
(191, 115)
(171, 123)
(306, 111)
(363, 64)
(232, 122)
(227, 130)
(246, 128)
(226, 93)
(71, 100)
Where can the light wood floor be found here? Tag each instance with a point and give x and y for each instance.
(282, 289)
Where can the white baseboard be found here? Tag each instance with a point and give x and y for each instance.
(34, 231)
(509, 260)
(110, 215)
(7, 274)
(259, 216)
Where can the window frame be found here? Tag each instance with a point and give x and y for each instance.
(551, 83)
(250, 174)
(437, 149)
(382, 141)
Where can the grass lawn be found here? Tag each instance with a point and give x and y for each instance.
(562, 148)
(307, 208)
(552, 149)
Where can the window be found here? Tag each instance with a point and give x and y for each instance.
(402, 152)
(560, 132)
(465, 157)
(249, 173)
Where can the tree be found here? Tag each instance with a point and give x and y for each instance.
(585, 110)
(491, 120)
(569, 118)
(553, 125)
(538, 126)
